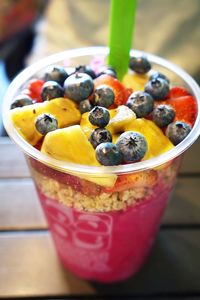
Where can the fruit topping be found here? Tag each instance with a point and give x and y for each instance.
(138, 179)
(104, 96)
(108, 154)
(78, 86)
(34, 89)
(100, 135)
(45, 123)
(119, 118)
(113, 122)
(158, 88)
(23, 118)
(121, 93)
(99, 116)
(176, 92)
(139, 64)
(21, 100)
(56, 73)
(132, 145)
(85, 106)
(64, 144)
(156, 75)
(185, 108)
(140, 103)
(51, 90)
(177, 131)
(135, 82)
(108, 71)
(86, 69)
(163, 115)
(157, 142)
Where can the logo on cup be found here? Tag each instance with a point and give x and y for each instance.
(84, 230)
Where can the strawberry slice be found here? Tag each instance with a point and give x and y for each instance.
(80, 185)
(185, 108)
(35, 88)
(121, 93)
(63, 178)
(38, 146)
(89, 188)
(177, 92)
(128, 181)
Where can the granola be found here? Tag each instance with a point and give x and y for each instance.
(102, 202)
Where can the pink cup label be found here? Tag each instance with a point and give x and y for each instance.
(83, 239)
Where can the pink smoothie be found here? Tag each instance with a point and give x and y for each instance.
(107, 246)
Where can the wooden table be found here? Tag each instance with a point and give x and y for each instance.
(30, 268)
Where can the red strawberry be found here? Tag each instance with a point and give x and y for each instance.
(121, 93)
(90, 188)
(177, 92)
(185, 108)
(39, 144)
(35, 88)
(70, 180)
(80, 185)
(128, 181)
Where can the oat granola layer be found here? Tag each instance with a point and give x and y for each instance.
(102, 202)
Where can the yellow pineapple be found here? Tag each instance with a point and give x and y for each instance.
(135, 81)
(85, 124)
(23, 118)
(121, 116)
(157, 142)
(70, 144)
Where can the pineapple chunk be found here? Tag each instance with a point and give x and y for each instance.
(135, 81)
(122, 116)
(119, 118)
(87, 127)
(71, 144)
(23, 118)
(157, 142)
(85, 124)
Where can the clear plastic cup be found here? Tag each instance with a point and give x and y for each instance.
(101, 233)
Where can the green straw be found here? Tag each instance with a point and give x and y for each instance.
(122, 18)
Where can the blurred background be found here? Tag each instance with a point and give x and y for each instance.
(32, 29)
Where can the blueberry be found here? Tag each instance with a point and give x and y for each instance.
(51, 90)
(78, 86)
(158, 88)
(21, 100)
(159, 75)
(86, 69)
(56, 73)
(177, 131)
(108, 154)
(139, 64)
(140, 103)
(70, 70)
(163, 115)
(132, 145)
(104, 96)
(107, 70)
(99, 116)
(85, 106)
(45, 123)
(100, 135)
